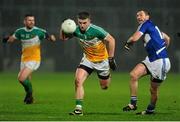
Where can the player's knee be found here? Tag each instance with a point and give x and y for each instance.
(78, 82)
(104, 81)
(21, 79)
(134, 76)
(104, 84)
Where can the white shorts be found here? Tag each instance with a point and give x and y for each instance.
(102, 67)
(33, 65)
(158, 68)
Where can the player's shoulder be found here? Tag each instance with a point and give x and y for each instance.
(148, 23)
(96, 29)
(20, 29)
(39, 29)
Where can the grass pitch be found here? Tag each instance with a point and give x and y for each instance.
(54, 98)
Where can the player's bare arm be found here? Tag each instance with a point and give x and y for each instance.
(50, 37)
(8, 39)
(111, 45)
(11, 39)
(62, 36)
(65, 37)
(166, 38)
(111, 48)
(135, 37)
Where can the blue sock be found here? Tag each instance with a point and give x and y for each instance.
(151, 107)
(133, 100)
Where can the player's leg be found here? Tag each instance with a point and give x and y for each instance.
(104, 79)
(161, 67)
(24, 79)
(155, 83)
(103, 72)
(80, 77)
(139, 71)
(105, 83)
(158, 69)
(81, 74)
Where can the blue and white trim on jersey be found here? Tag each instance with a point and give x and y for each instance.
(153, 41)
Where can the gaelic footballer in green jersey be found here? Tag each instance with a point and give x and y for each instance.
(30, 37)
(94, 41)
(30, 40)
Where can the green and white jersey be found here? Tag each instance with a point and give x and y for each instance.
(30, 40)
(92, 43)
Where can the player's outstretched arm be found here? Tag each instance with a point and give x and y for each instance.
(50, 37)
(135, 37)
(128, 44)
(7, 39)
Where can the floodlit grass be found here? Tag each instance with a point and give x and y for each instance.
(54, 98)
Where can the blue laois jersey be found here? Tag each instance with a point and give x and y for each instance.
(153, 41)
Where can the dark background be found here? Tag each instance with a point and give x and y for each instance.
(118, 17)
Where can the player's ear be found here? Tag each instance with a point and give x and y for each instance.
(147, 17)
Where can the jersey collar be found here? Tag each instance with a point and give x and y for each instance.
(28, 30)
(88, 27)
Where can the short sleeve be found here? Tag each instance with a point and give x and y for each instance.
(101, 33)
(143, 27)
(42, 34)
(16, 35)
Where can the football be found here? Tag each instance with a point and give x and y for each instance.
(68, 26)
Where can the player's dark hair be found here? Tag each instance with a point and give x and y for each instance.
(83, 15)
(146, 12)
(28, 15)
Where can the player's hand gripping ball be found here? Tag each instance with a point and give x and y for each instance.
(68, 26)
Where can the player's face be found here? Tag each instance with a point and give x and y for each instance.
(141, 17)
(83, 24)
(29, 22)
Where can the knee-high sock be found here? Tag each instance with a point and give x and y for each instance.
(27, 86)
(79, 103)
